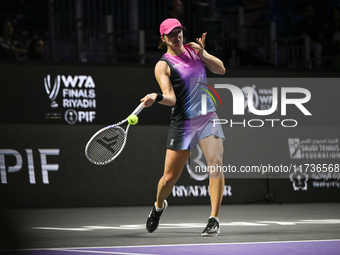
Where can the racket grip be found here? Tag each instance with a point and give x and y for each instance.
(138, 109)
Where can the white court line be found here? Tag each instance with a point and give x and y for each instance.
(194, 225)
(142, 226)
(198, 244)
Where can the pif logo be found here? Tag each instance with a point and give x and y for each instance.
(15, 157)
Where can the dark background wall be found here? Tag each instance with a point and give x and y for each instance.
(32, 131)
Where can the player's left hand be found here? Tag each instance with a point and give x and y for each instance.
(201, 43)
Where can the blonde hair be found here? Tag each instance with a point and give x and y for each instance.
(162, 45)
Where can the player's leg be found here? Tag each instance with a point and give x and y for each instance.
(174, 163)
(212, 148)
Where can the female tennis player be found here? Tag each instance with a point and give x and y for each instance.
(179, 73)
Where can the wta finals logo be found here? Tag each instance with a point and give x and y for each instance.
(52, 92)
(78, 98)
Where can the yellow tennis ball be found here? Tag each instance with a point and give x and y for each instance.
(133, 119)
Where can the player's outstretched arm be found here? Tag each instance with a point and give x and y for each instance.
(214, 64)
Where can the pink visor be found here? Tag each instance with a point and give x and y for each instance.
(169, 24)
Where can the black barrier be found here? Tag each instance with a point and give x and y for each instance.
(45, 166)
(48, 113)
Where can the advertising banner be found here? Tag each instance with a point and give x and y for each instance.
(73, 95)
(281, 138)
(45, 166)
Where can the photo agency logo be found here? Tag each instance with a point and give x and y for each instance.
(204, 97)
(260, 101)
(249, 103)
(78, 98)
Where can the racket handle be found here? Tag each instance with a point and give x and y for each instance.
(138, 109)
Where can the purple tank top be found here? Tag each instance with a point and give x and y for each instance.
(187, 74)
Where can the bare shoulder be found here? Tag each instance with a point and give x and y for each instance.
(162, 68)
(193, 45)
(161, 65)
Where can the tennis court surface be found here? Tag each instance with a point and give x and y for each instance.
(245, 229)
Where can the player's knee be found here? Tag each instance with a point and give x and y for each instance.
(215, 166)
(170, 179)
(216, 160)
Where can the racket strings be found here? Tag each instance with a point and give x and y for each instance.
(106, 145)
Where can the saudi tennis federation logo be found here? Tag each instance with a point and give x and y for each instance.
(294, 148)
(204, 97)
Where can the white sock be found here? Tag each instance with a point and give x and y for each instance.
(159, 209)
(217, 219)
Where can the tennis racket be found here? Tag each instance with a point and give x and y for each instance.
(106, 145)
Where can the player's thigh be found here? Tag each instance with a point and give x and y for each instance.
(175, 161)
(212, 148)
